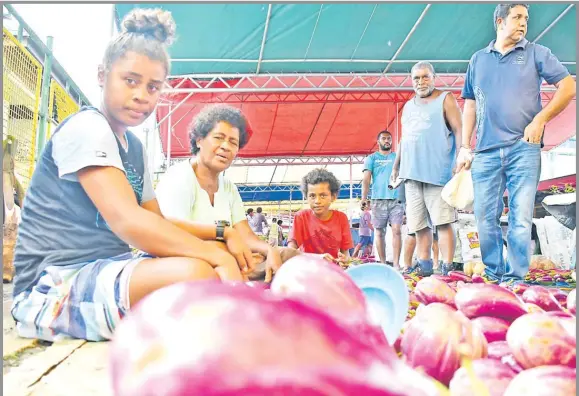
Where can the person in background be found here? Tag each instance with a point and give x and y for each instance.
(76, 273)
(259, 221)
(319, 229)
(431, 132)
(280, 230)
(502, 93)
(273, 233)
(364, 246)
(410, 239)
(249, 216)
(410, 246)
(385, 206)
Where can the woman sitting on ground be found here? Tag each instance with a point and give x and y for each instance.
(197, 191)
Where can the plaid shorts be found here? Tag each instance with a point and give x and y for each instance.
(85, 300)
(386, 211)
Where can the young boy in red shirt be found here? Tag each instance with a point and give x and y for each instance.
(319, 229)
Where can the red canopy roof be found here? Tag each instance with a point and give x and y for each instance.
(310, 123)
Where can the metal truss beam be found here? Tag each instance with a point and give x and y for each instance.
(313, 97)
(561, 15)
(306, 83)
(331, 97)
(256, 188)
(280, 161)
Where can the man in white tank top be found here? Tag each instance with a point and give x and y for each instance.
(431, 132)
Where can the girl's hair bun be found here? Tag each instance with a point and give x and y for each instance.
(155, 23)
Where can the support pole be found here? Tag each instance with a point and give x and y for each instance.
(351, 182)
(290, 210)
(44, 98)
(351, 191)
(20, 35)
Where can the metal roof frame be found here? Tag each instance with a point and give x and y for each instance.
(317, 160)
(267, 18)
(561, 15)
(308, 83)
(410, 33)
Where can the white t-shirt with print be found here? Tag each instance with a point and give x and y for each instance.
(180, 196)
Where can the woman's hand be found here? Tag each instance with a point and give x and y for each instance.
(224, 263)
(239, 250)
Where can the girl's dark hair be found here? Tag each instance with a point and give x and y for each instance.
(145, 31)
(210, 116)
(318, 176)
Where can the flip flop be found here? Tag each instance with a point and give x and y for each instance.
(386, 295)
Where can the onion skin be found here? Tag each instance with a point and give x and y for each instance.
(571, 301)
(544, 381)
(498, 349)
(494, 329)
(493, 374)
(559, 294)
(477, 279)
(532, 308)
(520, 288)
(459, 276)
(444, 278)
(433, 340)
(323, 284)
(560, 314)
(215, 339)
(541, 296)
(430, 290)
(489, 300)
(540, 339)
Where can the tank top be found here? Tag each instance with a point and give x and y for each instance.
(428, 146)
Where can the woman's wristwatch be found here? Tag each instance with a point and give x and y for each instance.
(220, 230)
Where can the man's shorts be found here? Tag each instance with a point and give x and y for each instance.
(85, 300)
(434, 234)
(424, 202)
(385, 211)
(365, 240)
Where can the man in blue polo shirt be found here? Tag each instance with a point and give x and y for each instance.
(502, 99)
(385, 206)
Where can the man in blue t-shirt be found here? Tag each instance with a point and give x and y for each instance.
(503, 100)
(385, 206)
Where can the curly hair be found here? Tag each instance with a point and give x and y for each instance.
(209, 116)
(318, 176)
(145, 31)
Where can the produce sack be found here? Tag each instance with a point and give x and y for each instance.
(459, 191)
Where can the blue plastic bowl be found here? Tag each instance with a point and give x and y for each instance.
(386, 295)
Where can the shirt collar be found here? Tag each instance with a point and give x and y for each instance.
(521, 44)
